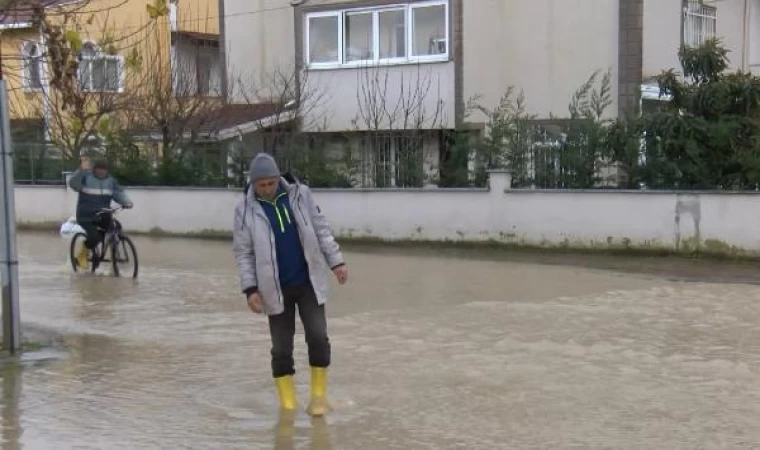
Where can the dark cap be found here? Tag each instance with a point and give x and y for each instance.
(100, 164)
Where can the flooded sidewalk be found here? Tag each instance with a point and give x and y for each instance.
(429, 352)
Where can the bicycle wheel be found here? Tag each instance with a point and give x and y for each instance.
(124, 257)
(77, 243)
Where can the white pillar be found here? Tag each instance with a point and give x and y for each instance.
(499, 180)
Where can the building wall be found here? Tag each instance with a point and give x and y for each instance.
(200, 16)
(547, 48)
(258, 40)
(732, 29)
(126, 22)
(251, 68)
(23, 102)
(382, 97)
(129, 24)
(753, 36)
(662, 33)
(598, 219)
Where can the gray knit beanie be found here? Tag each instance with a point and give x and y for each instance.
(263, 166)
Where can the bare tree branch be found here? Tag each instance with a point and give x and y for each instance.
(82, 92)
(402, 103)
(400, 111)
(174, 100)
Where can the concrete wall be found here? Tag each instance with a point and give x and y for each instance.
(668, 220)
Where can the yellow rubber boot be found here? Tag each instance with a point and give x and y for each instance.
(286, 390)
(318, 405)
(82, 258)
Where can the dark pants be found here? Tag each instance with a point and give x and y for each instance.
(282, 328)
(94, 226)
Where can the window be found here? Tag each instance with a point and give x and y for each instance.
(197, 68)
(359, 32)
(32, 66)
(392, 34)
(700, 23)
(324, 39)
(100, 72)
(396, 34)
(429, 30)
(208, 75)
(393, 161)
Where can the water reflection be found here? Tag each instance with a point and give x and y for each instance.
(11, 423)
(285, 432)
(98, 299)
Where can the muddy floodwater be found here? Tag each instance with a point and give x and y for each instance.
(430, 351)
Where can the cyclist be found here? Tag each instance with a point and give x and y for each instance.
(97, 189)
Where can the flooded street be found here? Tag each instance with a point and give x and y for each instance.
(429, 352)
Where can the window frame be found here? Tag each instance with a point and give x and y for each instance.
(373, 43)
(89, 62)
(376, 35)
(29, 62)
(698, 15)
(375, 11)
(307, 48)
(410, 32)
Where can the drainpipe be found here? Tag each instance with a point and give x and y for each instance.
(223, 52)
(684, 10)
(745, 38)
(172, 30)
(46, 109)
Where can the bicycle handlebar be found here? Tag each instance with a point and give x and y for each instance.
(110, 210)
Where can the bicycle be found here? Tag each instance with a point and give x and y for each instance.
(113, 239)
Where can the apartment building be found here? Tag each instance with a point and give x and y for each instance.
(391, 67)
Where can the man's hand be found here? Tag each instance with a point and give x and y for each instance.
(255, 303)
(129, 205)
(341, 273)
(84, 163)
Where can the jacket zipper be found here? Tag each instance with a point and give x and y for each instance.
(274, 258)
(297, 201)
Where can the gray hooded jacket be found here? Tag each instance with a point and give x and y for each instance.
(254, 246)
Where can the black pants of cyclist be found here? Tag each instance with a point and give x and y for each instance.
(94, 226)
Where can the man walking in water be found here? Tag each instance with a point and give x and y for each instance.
(283, 247)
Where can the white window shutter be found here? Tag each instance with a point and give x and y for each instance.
(122, 75)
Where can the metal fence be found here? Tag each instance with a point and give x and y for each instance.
(562, 154)
(38, 163)
(541, 155)
(356, 159)
(200, 165)
(370, 159)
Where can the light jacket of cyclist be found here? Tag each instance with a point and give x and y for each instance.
(97, 189)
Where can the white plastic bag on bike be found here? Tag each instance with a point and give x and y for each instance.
(70, 228)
